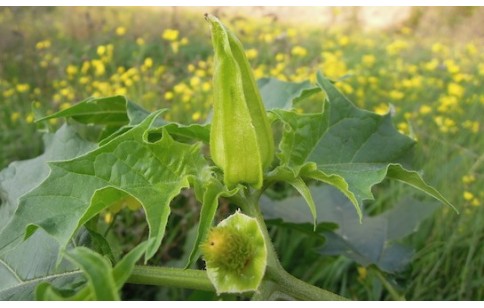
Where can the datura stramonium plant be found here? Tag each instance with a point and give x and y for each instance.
(241, 141)
(235, 254)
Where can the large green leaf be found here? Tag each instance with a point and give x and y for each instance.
(20, 271)
(77, 189)
(371, 242)
(22, 176)
(359, 147)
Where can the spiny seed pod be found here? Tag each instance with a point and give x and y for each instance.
(241, 141)
(235, 254)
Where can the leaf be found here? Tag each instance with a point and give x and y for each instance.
(32, 262)
(106, 111)
(303, 189)
(98, 271)
(277, 94)
(369, 242)
(104, 282)
(76, 190)
(22, 176)
(357, 147)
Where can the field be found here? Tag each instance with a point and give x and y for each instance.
(51, 58)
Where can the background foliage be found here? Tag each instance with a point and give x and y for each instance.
(51, 58)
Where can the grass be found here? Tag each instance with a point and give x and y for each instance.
(51, 58)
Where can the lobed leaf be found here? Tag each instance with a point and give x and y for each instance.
(357, 148)
(77, 189)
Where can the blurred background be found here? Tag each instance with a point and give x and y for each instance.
(424, 63)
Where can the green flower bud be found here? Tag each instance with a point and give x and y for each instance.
(241, 141)
(235, 254)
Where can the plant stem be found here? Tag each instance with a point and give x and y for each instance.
(171, 277)
(301, 290)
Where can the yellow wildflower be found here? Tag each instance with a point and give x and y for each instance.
(170, 35)
(425, 109)
(22, 87)
(251, 53)
(169, 95)
(140, 41)
(120, 31)
(71, 70)
(468, 196)
(299, 51)
(368, 60)
(14, 116)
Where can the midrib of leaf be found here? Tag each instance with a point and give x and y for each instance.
(35, 280)
(11, 270)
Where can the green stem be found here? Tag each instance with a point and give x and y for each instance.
(301, 290)
(394, 294)
(171, 277)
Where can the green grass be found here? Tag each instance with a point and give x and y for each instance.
(433, 83)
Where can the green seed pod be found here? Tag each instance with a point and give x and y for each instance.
(235, 254)
(241, 141)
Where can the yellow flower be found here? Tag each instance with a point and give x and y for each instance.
(280, 57)
(425, 109)
(403, 127)
(291, 32)
(120, 91)
(473, 126)
(120, 31)
(140, 41)
(468, 196)
(169, 95)
(451, 66)
(170, 34)
(42, 44)
(251, 53)
(14, 116)
(101, 50)
(431, 65)
(196, 116)
(83, 80)
(85, 67)
(148, 62)
(396, 47)
(467, 179)
(71, 70)
(381, 109)
(99, 68)
(22, 87)
(206, 86)
(30, 118)
(396, 95)
(299, 51)
(194, 81)
(343, 41)
(455, 89)
(368, 60)
(184, 41)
